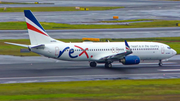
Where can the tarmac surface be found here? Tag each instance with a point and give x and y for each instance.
(134, 9)
(15, 69)
(98, 33)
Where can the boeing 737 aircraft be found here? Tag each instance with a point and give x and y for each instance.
(95, 52)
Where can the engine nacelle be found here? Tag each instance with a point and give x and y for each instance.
(130, 60)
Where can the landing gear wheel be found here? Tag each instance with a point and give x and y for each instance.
(160, 63)
(108, 65)
(93, 64)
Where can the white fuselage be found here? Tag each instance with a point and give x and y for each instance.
(93, 51)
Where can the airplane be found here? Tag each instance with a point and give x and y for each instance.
(127, 53)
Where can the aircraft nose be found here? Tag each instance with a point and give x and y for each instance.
(174, 52)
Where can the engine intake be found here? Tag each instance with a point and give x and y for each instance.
(130, 60)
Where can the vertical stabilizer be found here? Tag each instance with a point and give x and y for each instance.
(36, 32)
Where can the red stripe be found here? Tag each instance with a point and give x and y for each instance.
(35, 29)
(84, 51)
(78, 47)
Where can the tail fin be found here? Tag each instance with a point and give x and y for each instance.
(36, 32)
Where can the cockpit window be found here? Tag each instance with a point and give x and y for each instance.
(168, 47)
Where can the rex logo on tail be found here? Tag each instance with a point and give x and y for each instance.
(37, 34)
(94, 52)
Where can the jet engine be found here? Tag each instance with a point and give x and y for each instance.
(130, 60)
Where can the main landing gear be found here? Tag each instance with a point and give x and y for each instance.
(94, 64)
(108, 65)
(160, 63)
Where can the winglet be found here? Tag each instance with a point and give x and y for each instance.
(127, 46)
(128, 49)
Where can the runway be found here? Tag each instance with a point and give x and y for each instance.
(101, 30)
(49, 70)
(91, 3)
(98, 33)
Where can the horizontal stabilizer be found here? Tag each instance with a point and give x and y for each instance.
(41, 46)
(16, 44)
(24, 50)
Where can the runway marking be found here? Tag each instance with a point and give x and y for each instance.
(169, 70)
(74, 76)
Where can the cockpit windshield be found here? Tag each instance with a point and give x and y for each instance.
(168, 47)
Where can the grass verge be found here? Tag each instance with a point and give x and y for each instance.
(5, 49)
(49, 9)
(108, 90)
(50, 25)
(2, 2)
(171, 0)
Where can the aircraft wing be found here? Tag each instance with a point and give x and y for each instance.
(118, 55)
